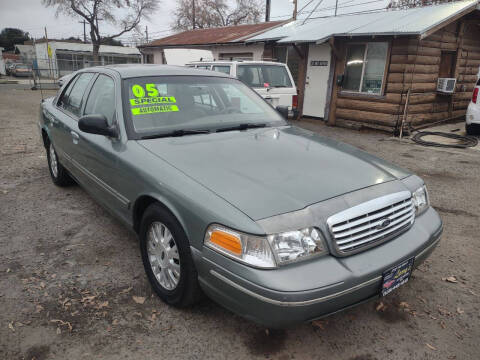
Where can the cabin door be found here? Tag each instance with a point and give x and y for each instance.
(316, 84)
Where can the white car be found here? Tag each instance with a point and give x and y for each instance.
(473, 112)
(271, 80)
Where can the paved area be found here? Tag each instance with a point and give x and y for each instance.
(72, 285)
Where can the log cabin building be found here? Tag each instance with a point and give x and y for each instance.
(377, 69)
(381, 69)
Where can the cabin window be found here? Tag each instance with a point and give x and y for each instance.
(365, 67)
(447, 64)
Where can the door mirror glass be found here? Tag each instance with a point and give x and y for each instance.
(96, 124)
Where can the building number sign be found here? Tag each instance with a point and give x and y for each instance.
(318, 63)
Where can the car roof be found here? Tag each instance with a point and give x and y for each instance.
(139, 70)
(250, 62)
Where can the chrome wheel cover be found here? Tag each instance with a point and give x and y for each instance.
(53, 161)
(163, 255)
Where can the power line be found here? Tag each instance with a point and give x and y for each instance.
(338, 7)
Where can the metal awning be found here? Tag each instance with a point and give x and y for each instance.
(415, 21)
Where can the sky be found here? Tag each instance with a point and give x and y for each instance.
(33, 17)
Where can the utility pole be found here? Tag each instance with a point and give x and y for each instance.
(193, 14)
(294, 10)
(146, 32)
(267, 11)
(84, 30)
(336, 7)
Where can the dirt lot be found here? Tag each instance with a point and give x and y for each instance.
(69, 272)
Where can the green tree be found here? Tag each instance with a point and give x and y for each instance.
(11, 36)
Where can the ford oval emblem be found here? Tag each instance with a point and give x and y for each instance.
(385, 222)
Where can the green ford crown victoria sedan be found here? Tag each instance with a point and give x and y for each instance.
(276, 223)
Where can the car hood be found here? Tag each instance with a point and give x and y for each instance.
(271, 171)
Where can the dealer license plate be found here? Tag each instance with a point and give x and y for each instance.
(396, 277)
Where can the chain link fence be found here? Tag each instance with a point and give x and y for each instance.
(45, 73)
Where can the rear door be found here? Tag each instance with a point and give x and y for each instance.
(64, 120)
(272, 81)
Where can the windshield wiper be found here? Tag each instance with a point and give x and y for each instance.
(176, 133)
(243, 126)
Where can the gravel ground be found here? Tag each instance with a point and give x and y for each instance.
(72, 283)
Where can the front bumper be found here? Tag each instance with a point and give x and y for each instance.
(280, 298)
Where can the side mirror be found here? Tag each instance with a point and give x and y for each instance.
(96, 124)
(283, 110)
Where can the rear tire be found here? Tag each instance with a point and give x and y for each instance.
(167, 258)
(471, 130)
(58, 173)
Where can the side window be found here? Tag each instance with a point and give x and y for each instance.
(250, 75)
(365, 67)
(222, 68)
(239, 101)
(64, 97)
(101, 99)
(202, 95)
(73, 101)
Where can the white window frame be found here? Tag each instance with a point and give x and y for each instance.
(382, 89)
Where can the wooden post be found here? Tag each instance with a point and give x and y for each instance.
(302, 77)
(338, 69)
(405, 113)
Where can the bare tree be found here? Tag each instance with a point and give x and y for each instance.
(94, 10)
(215, 13)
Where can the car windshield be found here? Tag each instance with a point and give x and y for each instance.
(159, 105)
(22, 67)
(264, 75)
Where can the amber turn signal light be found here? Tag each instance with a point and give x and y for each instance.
(226, 241)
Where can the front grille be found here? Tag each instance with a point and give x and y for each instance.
(372, 222)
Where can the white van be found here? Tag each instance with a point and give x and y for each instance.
(271, 80)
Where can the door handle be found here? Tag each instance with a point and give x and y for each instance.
(75, 137)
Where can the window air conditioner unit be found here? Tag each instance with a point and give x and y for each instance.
(446, 85)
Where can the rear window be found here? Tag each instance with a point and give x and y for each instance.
(264, 75)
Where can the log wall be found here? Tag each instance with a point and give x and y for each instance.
(414, 65)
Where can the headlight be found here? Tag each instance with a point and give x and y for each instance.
(266, 252)
(297, 245)
(420, 199)
(249, 249)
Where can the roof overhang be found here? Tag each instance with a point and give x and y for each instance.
(286, 38)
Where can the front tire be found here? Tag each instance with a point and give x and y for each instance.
(167, 258)
(58, 173)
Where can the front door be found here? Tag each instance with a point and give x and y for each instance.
(97, 155)
(316, 84)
